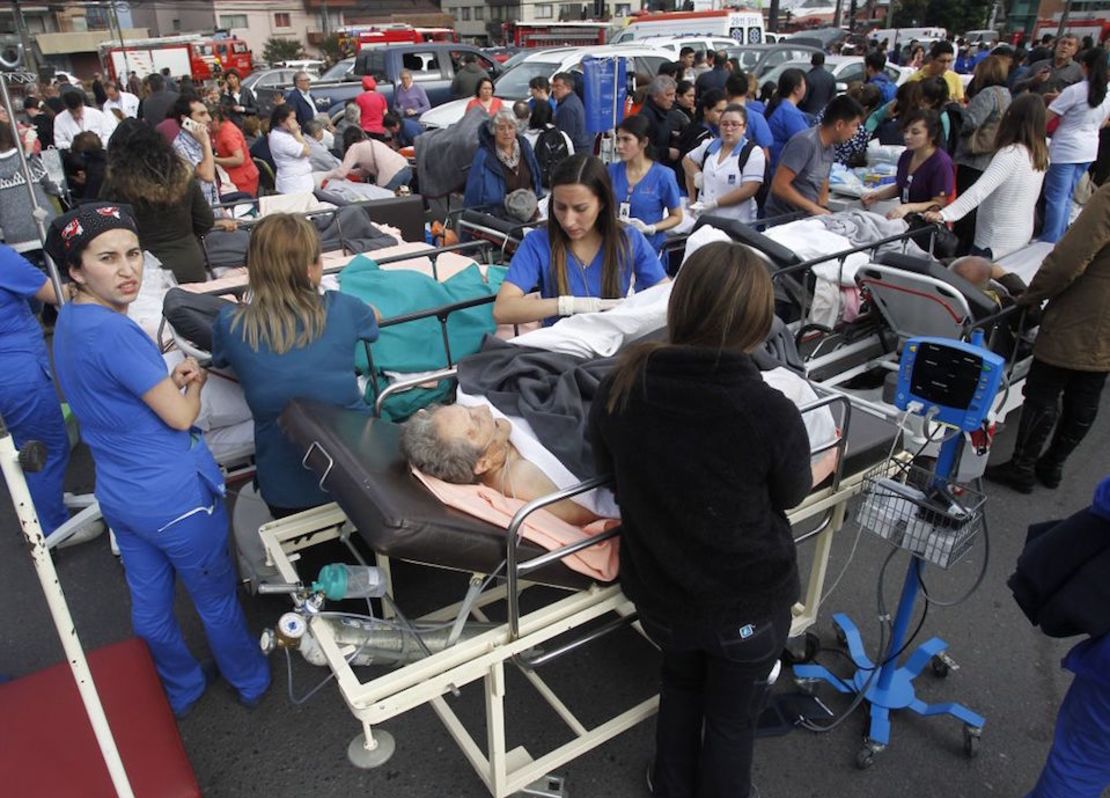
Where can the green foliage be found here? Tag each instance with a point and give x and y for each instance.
(278, 49)
(331, 50)
(955, 15)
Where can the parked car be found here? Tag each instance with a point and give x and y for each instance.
(432, 64)
(674, 44)
(513, 84)
(825, 38)
(264, 83)
(845, 68)
(500, 54)
(309, 65)
(759, 59)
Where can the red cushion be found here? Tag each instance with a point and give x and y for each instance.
(48, 744)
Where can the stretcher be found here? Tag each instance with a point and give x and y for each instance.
(380, 503)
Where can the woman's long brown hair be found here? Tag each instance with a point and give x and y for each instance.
(1024, 123)
(723, 300)
(590, 172)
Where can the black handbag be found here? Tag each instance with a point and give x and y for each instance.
(935, 238)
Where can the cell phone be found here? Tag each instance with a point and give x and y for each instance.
(191, 125)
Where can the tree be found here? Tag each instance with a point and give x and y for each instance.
(278, 49)
(331, 50)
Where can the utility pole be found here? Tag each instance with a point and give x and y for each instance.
(113, 18)
(1064, 19)
(25, 40)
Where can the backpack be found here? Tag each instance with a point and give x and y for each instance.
(955, 114)
(742, 158)
(551, 147)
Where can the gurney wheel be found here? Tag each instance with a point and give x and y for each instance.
(865, 758)
(361, 758)
(939, 667)
(971, 741)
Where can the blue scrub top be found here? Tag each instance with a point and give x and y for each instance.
(144, 468)
(786, 120)
(651, 198)
(758, 130)
(322, 371)
(22, 347)
(531, 267)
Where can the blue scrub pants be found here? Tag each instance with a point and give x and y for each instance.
(1059, 186)
(194, 548)
(33, 413)
(1078, 765)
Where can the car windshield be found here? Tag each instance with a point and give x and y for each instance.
(514, 83)
(776, 73)
(747, 58)
(340, 70)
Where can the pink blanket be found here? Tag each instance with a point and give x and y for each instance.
(597, 562)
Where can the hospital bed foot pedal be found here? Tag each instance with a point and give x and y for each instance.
(368, 758)
(547, 787)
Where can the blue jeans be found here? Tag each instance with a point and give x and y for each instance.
(1059, 186)
(1078, 764)
(33, 413)
(402, 178)
(157, 550)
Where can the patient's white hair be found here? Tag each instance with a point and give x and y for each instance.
(450, 460)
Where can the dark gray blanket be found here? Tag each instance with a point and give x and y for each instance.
(549, 390)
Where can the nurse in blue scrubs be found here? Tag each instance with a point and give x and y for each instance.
(28, 401)
(646, 192)
(158, 486)
(583, 260)
(290, 341)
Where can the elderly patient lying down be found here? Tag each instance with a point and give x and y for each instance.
(519, 424)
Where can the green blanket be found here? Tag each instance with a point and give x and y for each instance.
(418, 345)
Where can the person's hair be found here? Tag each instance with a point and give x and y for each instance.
(723, 299)
(841, 108)
(915, 49)
(934, 92)
(875, 60)
(252, 125)
(685, 51)
(866, 94)
(1003, 51)
(352, 135)
(736, 108)
(284, 309)
(789, 81)
(232, 72)
(183, 106)
(541, 116)
(30, 103)
(817, 59)
(1024, 123)
(301, 74)
(111, 84)
(941, 47)
(280, 114)
(907, 97)
(312, 127)
(391, 120)
(478, 86)
(142, 167)
(86, 141)
(639, 127)
(73, 100)
(736, 85)
(719, 59)
(708, 99)
(504, 114)
(929, 118)
(540, 82)
(469, 58)
(565, 78)
(682, 87)
(669, 69)
(973, 268)
(586, 170)
(452, 461)
(7, 139)
(1095, 61)
(155, 81)
(989, 72)
(699, 57)
(1088, 42)
(767, 93)
(660, 85)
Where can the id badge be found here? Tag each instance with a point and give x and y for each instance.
(624, 211)
(732, 179)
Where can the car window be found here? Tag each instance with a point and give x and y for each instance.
(850, 73)
(239, 47)
(483, 62)
(513, 85)
(649, 64)
(893, 73)
(340, 70)
(422, 65)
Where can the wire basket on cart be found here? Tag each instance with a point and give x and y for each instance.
(906, 506)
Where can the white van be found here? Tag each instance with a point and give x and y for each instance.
(745, 27)
(899, 37)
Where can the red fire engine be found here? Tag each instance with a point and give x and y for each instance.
(201, 57)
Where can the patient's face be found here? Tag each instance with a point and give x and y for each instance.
(477, 426)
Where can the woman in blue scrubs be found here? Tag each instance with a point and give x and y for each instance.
(28, 401)
(583, 260)
(646, 192)
(290, 341)
(158, 486)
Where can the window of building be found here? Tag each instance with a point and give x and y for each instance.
(464, 14)
(282, 19)
(479, 13)
(229, 21)
(544, 11)
(623, 9)
(96, 18)
(176, 24)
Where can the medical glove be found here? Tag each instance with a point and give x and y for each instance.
(570, 305)
(639, 224)
(703, 206)
(699, 179)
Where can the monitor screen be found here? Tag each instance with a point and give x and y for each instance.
(945, 376)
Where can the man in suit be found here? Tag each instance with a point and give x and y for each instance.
(300, 98)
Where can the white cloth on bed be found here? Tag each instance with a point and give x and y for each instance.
(809, 239)
(224, 418)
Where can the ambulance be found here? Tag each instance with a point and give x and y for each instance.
(739, 24)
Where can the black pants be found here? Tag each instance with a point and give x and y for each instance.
(1081, 391)
(714, 688)
(965, 227)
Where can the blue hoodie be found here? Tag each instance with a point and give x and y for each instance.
(886, 88)
(485, 183)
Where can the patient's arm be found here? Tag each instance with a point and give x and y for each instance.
(527, 482)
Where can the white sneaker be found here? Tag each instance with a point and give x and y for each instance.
(84, 533)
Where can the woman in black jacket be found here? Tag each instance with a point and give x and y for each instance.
(707, 458)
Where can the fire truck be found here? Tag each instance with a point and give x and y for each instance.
(1091, 23)
(557, 34)
(201, 57)
(354, 38)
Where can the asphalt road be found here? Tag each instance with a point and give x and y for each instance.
(1008, 672)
